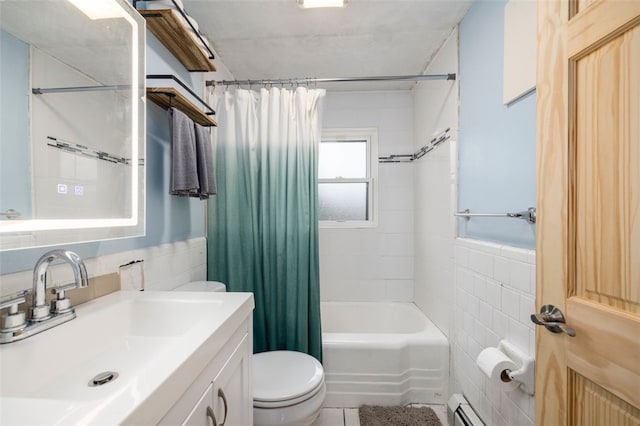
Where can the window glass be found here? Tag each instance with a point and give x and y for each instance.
(347, 170)
(342, 159)
(343, 201)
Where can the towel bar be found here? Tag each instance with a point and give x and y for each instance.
(529, 215)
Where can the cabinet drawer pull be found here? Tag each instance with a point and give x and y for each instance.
(212, 416)
(224, 402)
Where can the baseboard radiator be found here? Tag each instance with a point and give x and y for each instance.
(460, 412)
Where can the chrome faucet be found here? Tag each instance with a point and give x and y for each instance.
(15, 327)
(40, 311)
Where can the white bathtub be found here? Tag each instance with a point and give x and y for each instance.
(382, 353)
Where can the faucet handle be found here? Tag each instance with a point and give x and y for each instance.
(61, 289)
(14, 300)
(14, 319)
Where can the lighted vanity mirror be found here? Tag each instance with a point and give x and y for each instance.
(71, 121)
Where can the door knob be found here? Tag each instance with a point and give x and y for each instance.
(553, 320)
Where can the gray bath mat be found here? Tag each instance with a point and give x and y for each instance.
(373, 415)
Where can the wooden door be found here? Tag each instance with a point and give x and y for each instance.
(588, 231)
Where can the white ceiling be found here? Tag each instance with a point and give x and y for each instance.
(275, 39)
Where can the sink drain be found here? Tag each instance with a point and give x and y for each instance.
(103, 378)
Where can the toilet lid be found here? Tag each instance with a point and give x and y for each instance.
(202, 286)
(285, 375)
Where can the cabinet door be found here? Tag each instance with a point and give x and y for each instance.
(233, 400)
(201, 415)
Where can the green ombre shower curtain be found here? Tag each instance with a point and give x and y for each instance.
(263, 224)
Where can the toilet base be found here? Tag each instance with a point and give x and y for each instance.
(301, 414)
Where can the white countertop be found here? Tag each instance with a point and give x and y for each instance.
(158, 343)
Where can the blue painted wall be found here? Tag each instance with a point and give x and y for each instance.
(497, 142)
(15, 154)
(168, 218)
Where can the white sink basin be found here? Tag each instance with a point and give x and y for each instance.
(148, 338)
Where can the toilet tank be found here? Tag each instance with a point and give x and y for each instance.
(202, 286)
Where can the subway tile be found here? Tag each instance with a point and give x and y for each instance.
(532, 279)
(468, 281)
(484, 246)
(486, 314)
(462, 255)
(473, 306)
(459, 276)
(468, 324)
(399, 290)
(508, 409)
(520, 276)
(479, 289)
(526, 309)
(524, 420)
(491, 339)
(497, 419)
(397, 267)
(494, 393)
(532, 257)
(474, 349)
(461, 299)
(479, 332)
(500, 324)
(514, 253)
(521, 399)
(501, 269)
(396, 197)
(461, 339)
(494, 294)
(396, 221)
(483, 410)
(398, 244)
(481, 262)
(518, 335)
(532, 343)
(510, 303)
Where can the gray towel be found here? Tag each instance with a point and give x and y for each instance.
(184, 168)
(206, 175)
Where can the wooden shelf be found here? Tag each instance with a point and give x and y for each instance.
(168, 27)
(169, 96)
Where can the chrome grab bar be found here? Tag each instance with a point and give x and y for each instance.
(529, 215)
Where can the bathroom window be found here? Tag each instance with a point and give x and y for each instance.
(347, 171)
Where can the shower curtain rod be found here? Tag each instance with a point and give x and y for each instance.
(418, 77)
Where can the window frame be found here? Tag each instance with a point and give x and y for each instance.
(370, 135)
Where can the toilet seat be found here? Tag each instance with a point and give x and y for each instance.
(285, 378)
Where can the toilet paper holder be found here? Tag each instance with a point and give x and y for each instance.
(525, 373)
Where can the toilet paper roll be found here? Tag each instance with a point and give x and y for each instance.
(494, 364)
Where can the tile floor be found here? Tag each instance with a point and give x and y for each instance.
(349, 416)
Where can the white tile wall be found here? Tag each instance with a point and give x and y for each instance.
(165, 267)
(435, 106)
(494, 297)
(373, 264)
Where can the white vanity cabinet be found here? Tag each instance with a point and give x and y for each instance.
(222, 394)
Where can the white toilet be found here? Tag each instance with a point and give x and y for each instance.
(288, 386)
(202, 286)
